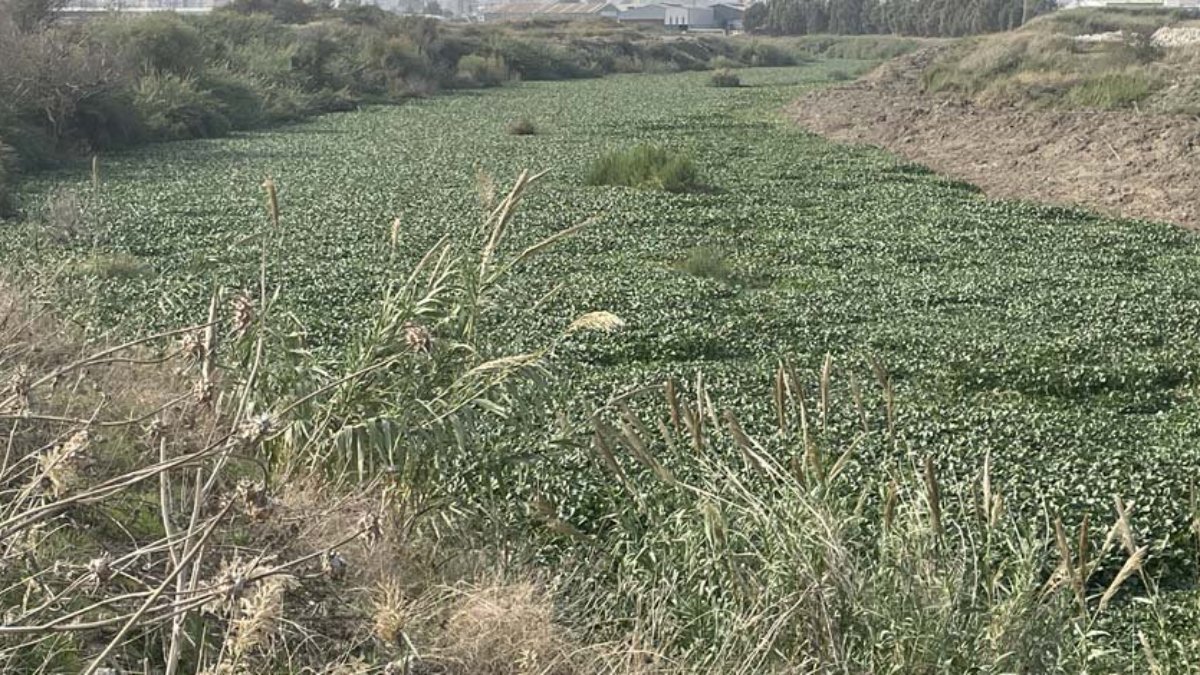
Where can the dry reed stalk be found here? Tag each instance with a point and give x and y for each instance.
(889, 505)
(272, 201)
(1133, 565)
(665, 432)
(934, 496)
(672, 396)
(1082, 547)
(1194, 512)
(695, 425)
(1124, 529)
(1155, 667)
(987, 488)
(856, 394)
(1067, 566)
(637, 447)
(605, 453)
(752, 452)
(779, 397)
(826, 376)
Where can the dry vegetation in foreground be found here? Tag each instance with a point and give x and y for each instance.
(211, 499)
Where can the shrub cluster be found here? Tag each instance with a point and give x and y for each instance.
(725, 78)
(646, 166)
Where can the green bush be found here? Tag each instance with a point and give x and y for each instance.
(160, 43)
(482, 71)
(238, 96)
(107, 119)
(760, 53)
(536, 60)
(8, 158)
(707, 263)
(283, 11)
(173, 107)
(725, 78)
(724, 63)
(645, 166)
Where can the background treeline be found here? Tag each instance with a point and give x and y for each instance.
(68, 89)
(930, 18)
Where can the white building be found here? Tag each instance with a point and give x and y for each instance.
(1131, 4)
(558, 11)
(684, 15)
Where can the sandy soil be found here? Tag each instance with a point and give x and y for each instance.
(1126, 163)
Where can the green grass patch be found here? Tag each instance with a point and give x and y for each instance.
(646, 166)
(120, 266)
(725, 78)
(1111, 90)
(707, 262)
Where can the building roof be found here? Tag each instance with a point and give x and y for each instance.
(527, 8)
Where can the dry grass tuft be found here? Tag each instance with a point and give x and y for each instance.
(605, 322)
(505, 629)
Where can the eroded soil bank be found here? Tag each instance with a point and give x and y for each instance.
(1123, 162)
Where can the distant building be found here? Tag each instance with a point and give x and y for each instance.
(728, 16)
(559, 11)
(644, 15)
(89, 7)
(1131, 4)
(685, 16)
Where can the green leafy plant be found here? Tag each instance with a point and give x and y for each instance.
(645, 166)
(725, 78)
(707, 263)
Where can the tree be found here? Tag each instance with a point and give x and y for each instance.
(30, 15)
(755, 17)
(949, 18)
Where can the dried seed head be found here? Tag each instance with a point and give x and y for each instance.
(418, 338)
(371, 527)
(229, 585)
(19, 387)
(333, 565)
(191, 345)
(64, 467)
(203, 391)
(100, 568)
(485, 187)
(257, 502)
(155, 430)
(254, 430)
(390, 613)
(243, 313)
(396, 230)
(259, 613)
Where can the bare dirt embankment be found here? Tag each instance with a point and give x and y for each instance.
(1119, 162)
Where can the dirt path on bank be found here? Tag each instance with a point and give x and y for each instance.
(1125, 163)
